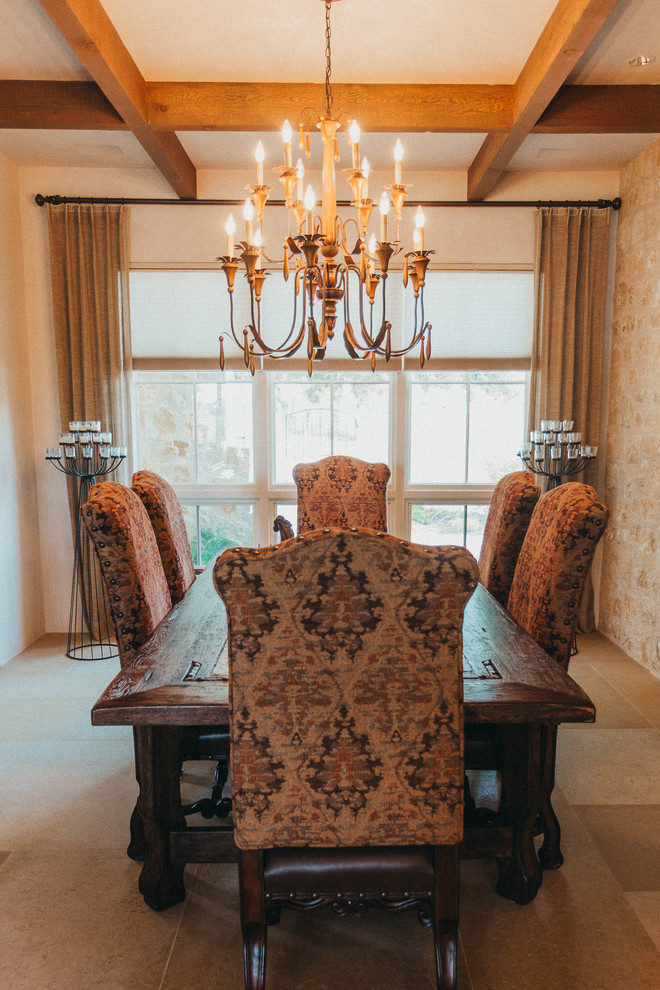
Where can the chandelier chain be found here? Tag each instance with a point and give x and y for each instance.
(328, 60)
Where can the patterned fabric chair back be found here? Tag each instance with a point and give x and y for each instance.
(341, 491)
(552, 568)
(345, 678)
(125, 545)
(511, 507)
(164, 510)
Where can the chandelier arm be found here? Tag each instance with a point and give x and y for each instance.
(231, 321)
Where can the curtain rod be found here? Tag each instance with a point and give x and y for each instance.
(602, 204)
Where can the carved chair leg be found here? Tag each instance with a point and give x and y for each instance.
(253, 917)
(445, 915)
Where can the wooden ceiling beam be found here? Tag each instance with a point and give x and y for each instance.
(86, 27)
(602, 110)
(72, 106)
(50, 105)
(572, 27)
(378, 107)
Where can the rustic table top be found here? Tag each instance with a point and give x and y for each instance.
(177, 678)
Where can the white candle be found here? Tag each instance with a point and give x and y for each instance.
(248, 214)
(300, 174)
(230, 229)
(398, 156)
(384, 207)
(354, 135)
(420, 220)
(259, 155)
(310, 203)
(286, 137)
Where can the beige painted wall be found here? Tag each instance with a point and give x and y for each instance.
(461, 235)
(630, 585)
(21, 608)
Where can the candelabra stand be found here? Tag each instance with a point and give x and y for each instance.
(556, 451)
(85, 454)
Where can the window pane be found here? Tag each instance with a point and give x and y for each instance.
(290, 512)
(224, 432)
(225, 525)
(190, 519)
(319, 417)
(438, 423)
(476, 523)
(497, 429)
(166, 421)
(437, 525)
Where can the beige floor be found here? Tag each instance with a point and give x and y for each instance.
(71, 917)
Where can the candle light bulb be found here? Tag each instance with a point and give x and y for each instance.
(259, 155)
(310, 203)
(398, 156)
(310, 198)
(354, 135)
(420, 220)
(300, 174)
(366, 168)
(248, 214)
(371, 246)
(230, 230)
(286, 137)
(384, 207)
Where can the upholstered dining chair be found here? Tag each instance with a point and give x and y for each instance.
(514, 498)
(164, 509)
(548, 582)
(341, 491)
(345, 680)
(123, 539)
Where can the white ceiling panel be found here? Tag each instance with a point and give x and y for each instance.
(578, 152)
(32, 48)
(91, 149)
(421, 151)
(429, 41)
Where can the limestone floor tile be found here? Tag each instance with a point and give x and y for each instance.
(646, 905)
(71, 920)
(635, 684)
(609, 766)
(74, 793)
(613, 710)
(315, 951)
(628, 839)
(28, 718)
(579, 931)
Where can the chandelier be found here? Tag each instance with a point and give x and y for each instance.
(325, 271)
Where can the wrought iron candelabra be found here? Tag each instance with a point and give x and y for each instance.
(556, 451)
(85, 453)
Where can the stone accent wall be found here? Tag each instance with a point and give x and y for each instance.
(630, 584)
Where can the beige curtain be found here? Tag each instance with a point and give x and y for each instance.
(567, 352)
(89, 260)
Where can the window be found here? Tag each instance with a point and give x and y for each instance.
(228, 442)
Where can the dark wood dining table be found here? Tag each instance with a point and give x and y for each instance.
(179, 680)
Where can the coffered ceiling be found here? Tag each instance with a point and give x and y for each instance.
(481, 87)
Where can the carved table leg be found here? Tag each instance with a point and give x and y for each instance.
(158, 763)
(520, 876)
(550, 853)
